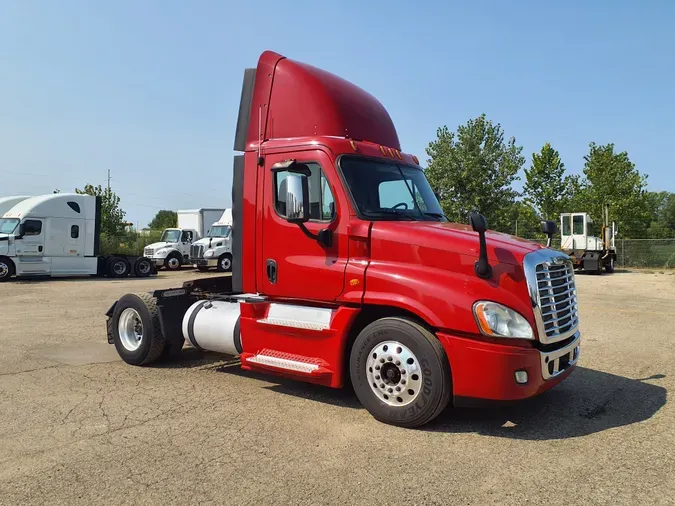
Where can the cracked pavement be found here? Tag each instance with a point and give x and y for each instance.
(78, 426)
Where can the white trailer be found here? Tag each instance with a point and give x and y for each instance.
(215, 250)
(59, 235)
(173, 249)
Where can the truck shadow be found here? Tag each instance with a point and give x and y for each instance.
(589, 401)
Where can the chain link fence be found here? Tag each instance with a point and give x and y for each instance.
(131, 243)
(644, 253)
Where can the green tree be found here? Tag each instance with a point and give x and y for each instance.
(473, 169)
(112, 216)
(524, 221)
(164, 219)
(611, 178)
(662, 210)
(547, 187)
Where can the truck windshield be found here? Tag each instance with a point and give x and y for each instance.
(385, 190)
(220, 231)
(170, 236)
(7, 225)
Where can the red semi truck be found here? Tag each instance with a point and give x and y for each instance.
(346, 270)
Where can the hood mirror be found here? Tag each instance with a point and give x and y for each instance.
(549, 228)
(479, 224)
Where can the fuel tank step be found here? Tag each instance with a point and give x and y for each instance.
(288, 362)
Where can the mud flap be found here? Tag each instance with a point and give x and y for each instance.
(108, 323)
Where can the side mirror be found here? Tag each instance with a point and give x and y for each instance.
(478, 222)
(20, 232)
(549, 228)
(438, 196)
(297, 198)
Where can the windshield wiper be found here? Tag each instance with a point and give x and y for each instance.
(390, 212)
(435, 215)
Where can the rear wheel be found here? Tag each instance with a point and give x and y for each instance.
(609, 267)
(142, 267)
(6, 269)
(136, 330)
(225, 262)
(118, 267)
(400, 372)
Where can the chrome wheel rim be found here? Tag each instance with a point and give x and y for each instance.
(130, 328)
(173, 263)
(225, 263)
(394, 373)
(4, 270)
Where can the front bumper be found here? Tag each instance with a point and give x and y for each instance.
(486, 371)
(206, 262)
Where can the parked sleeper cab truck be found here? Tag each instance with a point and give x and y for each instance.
(59, 234)
(340, 274)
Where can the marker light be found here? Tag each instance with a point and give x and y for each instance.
(353, 145)
(496, 320)
(417, 162)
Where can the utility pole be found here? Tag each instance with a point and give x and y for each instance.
(108, 179)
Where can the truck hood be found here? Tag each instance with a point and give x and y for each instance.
(160, 245)
(205, 241)
(452, 238)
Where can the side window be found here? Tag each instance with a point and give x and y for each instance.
(321, 200)
(187, 236)
(578, 225)
(74, 231)
(32, 227)
(566, 225)
(74, 206)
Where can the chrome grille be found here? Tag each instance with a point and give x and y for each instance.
(197, 251)
(148, 252)
(550, 277)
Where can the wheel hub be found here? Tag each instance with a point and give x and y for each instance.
(119, 268)
(393, 373)
(130, 329)
(4, 269)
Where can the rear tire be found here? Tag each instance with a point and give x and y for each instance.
(610, 265)
(7, 269)
(400, 372)
(142, 267)
(118, 267)
(136, 329)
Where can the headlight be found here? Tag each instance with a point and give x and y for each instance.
(496, 320)
(209, 253)
(161, 253)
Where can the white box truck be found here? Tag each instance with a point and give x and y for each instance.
(59, 235)
(215, 250)
(173, 249)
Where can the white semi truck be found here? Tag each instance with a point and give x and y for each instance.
(215, 250)
(587, 251)
(6, 203)
(59, 235)
(173, 249)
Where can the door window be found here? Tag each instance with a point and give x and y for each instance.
(32, 227)
(578, 225)
(321, 200)
(566, 225)
(75, 231)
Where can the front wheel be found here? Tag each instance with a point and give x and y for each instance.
(6, 269)
(400, 372)
(136, 329)
(609, 267)
(225, 263)
(173, 262)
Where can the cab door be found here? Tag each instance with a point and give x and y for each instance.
(295, 264)
(32, 243)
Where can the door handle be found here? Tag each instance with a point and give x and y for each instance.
(271, 266)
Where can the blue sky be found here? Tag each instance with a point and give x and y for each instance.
(150, 89)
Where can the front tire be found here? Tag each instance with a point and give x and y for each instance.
(610, 265)
(7, 269)
(400, 372)
(136, 330)
(173, 262)
(225, 263)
